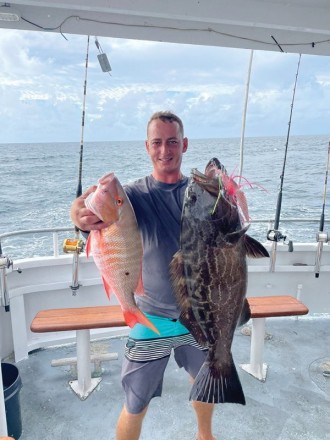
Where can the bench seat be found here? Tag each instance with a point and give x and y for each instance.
(272, 306)
(57, 320)
(83, 319)
(263, 307)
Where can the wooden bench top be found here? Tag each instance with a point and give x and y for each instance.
(54, 320)
(271, 306)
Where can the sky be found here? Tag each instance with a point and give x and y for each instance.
(42, 82)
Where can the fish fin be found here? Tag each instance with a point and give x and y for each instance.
(139, 288)
(217, 385)
(107, 287)
(136, 316)
(254, 249)
(245, 313)
(234, 237)
(179, 280)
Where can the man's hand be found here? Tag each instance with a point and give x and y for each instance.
(82, 217)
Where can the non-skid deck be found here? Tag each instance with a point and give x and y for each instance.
(293, 403)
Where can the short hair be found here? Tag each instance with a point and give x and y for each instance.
(166, 116)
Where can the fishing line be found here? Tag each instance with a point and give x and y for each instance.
(219, 195)
(277, 235)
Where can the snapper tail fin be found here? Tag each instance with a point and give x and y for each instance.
(217, 386)
(135, 316)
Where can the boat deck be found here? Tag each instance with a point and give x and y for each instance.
(293, 403)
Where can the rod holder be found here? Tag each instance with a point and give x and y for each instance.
(321, 238)
(5, 263)
(74, 246)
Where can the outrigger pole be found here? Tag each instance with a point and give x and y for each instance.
(244, 117)
(322, 237)
(274, 234)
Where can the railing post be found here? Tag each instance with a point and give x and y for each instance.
(55, 244)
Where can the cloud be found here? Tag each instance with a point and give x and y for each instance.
(42, 83)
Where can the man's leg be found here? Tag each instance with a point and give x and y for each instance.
(129, 425)
(204, 412)
(192, 358)
(141, 382)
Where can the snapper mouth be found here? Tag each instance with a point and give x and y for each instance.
(100, 202)
(91, 205)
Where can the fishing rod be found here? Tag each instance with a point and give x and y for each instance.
(79, 187)
(75, 245)
(274, 234)
(321, 236)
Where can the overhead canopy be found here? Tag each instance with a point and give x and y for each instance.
(297, 26)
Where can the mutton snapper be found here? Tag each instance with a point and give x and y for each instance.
(117, 249)
(209, 275)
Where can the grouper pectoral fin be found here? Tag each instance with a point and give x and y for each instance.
(254, 249)
(233, 237)
(245, 313)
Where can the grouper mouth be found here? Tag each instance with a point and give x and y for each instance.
(212, 185)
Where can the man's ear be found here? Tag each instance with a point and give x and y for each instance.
(185, 144)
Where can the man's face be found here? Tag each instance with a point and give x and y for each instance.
(165, 145)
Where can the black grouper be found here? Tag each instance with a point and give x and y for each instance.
(209, 275)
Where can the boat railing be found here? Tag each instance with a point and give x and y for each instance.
(4, 238)
(54, 231)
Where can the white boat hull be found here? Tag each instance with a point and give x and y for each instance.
(45, 282)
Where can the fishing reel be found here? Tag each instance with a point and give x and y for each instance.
(322, 237)
(5, 262)
(276, 236)
(73, 245)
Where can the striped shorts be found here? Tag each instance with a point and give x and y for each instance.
(147, 355)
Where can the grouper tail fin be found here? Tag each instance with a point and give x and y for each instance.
(214, 385)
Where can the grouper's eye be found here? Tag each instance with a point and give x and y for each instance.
(193, 198)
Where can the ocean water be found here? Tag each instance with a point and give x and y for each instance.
(39, 181)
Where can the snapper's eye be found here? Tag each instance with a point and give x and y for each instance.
(119, 201)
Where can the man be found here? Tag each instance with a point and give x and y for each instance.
(157, 201)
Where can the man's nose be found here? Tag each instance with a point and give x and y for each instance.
(165, 147)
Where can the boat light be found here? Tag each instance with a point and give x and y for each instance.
(7, 13)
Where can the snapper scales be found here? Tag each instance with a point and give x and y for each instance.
(209, 275)
(117, 249)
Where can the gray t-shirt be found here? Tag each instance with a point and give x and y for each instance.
(158, 209)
